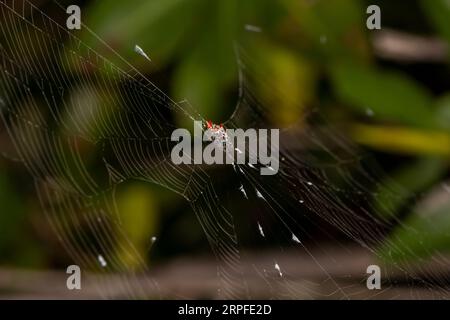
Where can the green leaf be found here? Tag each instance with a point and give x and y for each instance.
(438, 11)
(391, 96)
(138, 213)
(158, 27)
(333, 27)
(284, 81)
(195, 82)
(395, 191)
(443, 111)
(402, 139)
(425, 233)
(209, 71)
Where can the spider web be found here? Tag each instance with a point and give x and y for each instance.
(74, 99)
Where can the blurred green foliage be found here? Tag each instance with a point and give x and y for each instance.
(311, 53)
(16, 244)
(300, 43)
